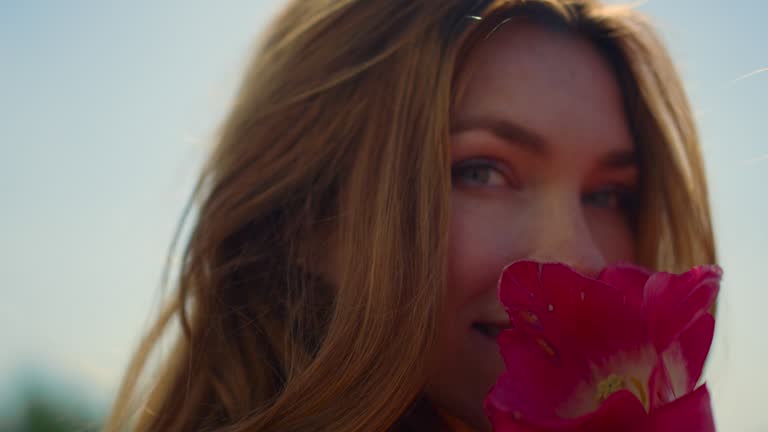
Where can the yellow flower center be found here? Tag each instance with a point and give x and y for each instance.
(613, 383)
(609, 386)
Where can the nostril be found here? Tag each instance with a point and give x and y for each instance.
(482, 328)
(569, 239)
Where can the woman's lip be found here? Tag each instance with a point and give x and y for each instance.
(500, 324)
(490, 330)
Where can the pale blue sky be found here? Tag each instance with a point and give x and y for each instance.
(105, 114)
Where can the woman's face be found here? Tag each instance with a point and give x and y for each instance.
(542, 168)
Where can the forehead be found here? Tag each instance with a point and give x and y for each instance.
(554, 83)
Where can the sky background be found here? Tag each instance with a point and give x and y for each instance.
(107, 109)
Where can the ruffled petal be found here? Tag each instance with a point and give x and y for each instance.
(537, 382)
(621, 409)
(695, 343)
(518, 282)
(692, 412)
(681, 364)
(630, 278)
(674, 302)
(579, 315)
(623, 351)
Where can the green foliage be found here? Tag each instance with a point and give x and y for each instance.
(42, 412)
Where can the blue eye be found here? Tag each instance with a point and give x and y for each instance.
(477, 172)
(612, 198)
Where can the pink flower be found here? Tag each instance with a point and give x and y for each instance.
(624, 351)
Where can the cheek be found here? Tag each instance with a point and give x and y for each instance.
(485, 235)
(613, 236)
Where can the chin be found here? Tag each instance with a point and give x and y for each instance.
(461, 381)
(477, 421)
(468, 422)
(461, 409)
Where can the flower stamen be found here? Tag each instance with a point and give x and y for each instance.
(609, 386)
(546, 346)
(640, 391)
(530, 318)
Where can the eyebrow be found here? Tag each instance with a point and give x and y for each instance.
(508, 131)
(619, 159)
(532, 142)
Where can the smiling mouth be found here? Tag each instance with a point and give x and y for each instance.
(491, 331)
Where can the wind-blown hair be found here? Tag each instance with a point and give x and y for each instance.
(310, 289)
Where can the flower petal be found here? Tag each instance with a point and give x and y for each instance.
(681, 364)
(618, 411)
(519, 279)
(601, 353)
(630, 278)
(674, 302)
(692, 412)
(536, 381)
(695, 343)
(576, 313)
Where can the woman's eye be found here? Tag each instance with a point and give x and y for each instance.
(611, 198)
(478, 173)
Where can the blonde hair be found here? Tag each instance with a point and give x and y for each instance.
(310, 290)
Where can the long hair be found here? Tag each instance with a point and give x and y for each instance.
(310, 288)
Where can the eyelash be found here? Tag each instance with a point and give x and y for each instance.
(622, 198)
(474, 164)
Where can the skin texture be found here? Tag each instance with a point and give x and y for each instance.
(557, 185)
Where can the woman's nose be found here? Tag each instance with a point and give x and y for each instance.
(562, 234)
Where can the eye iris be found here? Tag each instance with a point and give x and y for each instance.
(473, 173)
(612, 199)
(605, 199)
(478, 174)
